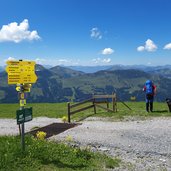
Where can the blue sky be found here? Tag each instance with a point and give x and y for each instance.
(86, 32)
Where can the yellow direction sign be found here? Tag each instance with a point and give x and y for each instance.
(21, 72)
(20, 62)
(20, 68)
(28, 78)
(21, 78)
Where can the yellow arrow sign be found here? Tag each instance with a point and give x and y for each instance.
(20, 62)
(28, 78)
(21, 78)
(20, 68)
(12, 62)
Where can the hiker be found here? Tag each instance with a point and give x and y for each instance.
(150, 90)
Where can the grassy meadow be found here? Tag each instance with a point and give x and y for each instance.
(58, 110)
(49, 156)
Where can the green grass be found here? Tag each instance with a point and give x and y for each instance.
(138, 110)
(49, 156)
(58, 110)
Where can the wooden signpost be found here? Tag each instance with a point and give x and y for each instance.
(22, 73)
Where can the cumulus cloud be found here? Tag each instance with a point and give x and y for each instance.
(15, 32)
(95, 33)
(107, 51)
(140, 48)
(167, 46)
(101, 61)
(149, 46)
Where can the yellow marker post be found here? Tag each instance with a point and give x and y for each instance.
(22, 102)
(22, 96)
(22, 73)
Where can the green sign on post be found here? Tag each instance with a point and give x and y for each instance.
(24, 115)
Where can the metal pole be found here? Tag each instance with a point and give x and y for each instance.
(22, 125)
(19, 129)
(94, 105)
(69, 117)
(22, 137)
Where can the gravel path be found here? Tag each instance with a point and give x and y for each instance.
(10, 127)
(142, 145)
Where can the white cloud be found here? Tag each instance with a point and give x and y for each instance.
(10, 59)
(107, 60)
(101, 61)
(107, 51)
(140, 48)
(95, 33)
(40, 61)
(3, 62)
(15, 32)
(149, 46)
(167, 46)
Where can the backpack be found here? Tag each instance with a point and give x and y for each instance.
(149, 87)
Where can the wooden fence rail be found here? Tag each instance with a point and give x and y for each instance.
(96, 101)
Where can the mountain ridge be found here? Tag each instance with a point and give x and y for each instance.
(60, 84)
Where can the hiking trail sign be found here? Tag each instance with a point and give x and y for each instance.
(20, 72)
(24, 115)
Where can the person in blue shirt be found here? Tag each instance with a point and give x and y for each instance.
(150, 90)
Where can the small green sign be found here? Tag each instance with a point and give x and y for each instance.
(24, 115)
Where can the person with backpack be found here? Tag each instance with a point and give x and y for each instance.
(150, 90)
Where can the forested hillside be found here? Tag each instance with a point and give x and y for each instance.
(60, 84)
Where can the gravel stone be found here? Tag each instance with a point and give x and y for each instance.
(140, 144)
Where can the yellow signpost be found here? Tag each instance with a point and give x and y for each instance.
(22, 73)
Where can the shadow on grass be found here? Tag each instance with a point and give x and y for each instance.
(160, 111)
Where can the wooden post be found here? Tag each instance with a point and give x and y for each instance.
(94, 105)
(69, 117)
(114, 102)
(107, 101)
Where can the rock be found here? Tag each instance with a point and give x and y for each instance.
(104, 149)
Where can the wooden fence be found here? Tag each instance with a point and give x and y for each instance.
(94, 102)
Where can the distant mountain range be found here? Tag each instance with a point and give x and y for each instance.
(1, 68)
(89, 69)
(62, 84)
(92, 69)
